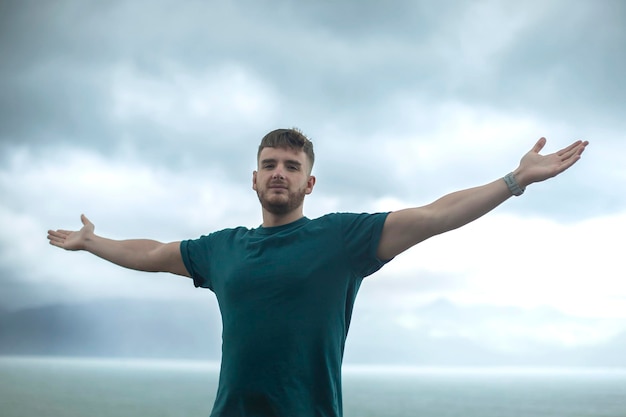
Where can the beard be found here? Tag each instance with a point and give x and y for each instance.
(281, 204)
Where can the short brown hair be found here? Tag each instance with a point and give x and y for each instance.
(288, 138)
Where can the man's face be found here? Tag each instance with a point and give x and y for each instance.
(282, 179)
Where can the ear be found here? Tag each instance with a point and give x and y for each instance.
(254, 180)
(310, 183)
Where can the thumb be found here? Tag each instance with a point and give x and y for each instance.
(85, 220)
(539, 145)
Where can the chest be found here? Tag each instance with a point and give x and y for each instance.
(279, 268)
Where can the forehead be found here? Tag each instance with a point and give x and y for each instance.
(283, 154)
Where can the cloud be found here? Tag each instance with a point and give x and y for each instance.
(322, 59)
(146, 116)
(185, 103)
(506, 260)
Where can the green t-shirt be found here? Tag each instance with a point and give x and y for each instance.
(286, 295)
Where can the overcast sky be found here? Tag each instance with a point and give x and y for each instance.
(146, 116)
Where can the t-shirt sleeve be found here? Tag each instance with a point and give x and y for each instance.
(361, 234)
(196, 254)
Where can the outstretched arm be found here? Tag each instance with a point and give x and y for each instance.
(140, 254)
(406, 228)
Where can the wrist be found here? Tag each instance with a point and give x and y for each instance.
(515, 187)
(521, 178)
(88, 242)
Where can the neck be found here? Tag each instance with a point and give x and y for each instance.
(273, 220)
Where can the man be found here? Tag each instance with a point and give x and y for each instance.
(286, 289)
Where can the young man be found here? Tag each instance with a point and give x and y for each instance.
(286, 289)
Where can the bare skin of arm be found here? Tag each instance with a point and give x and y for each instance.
(139, 254)
(406, 228)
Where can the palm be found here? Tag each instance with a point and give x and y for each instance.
(538, 167)
(71, 240)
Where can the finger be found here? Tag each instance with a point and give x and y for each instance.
(58, 233)
(573, 151)
(539, 145)
(86, 221)
(55, 243)
(571, 159)
(570, 148)
(58, 243)
(55, 239)
(568, 163)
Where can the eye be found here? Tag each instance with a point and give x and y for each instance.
(292, 167)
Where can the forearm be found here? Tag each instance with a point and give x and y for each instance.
(406, 228)
(462, 207)
(133, 253)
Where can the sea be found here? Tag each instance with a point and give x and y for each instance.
(68, 387)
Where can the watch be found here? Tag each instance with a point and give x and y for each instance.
(514, 187)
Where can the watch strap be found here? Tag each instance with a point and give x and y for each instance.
(514, 187)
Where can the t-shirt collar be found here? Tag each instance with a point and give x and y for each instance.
(275, 229)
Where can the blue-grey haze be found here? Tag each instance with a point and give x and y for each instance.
(106, 388)
(145, 115)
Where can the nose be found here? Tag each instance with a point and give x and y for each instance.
(278, 174)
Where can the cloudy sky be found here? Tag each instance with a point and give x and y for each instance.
(146, 116)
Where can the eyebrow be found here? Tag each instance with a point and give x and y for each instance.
(288, 161)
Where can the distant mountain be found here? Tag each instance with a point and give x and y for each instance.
(442, 336)
(612, 354)
(113, 328)
(166, 329)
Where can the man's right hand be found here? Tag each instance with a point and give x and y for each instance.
(72, 240)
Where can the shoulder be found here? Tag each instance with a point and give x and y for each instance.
(219, 235)
(347, 219)
(347, 226)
